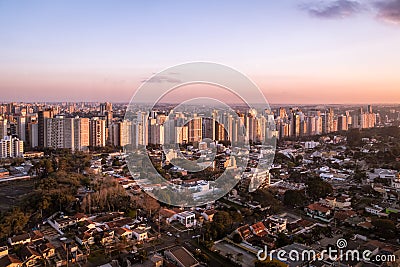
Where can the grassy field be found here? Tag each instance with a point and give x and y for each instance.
(11, 193)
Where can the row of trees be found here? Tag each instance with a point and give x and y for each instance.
(108, 195)
(12, 222)
(58, 178)
(222, 224)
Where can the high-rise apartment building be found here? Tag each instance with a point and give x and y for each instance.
(81, 134)
(331, 117)
(33, 134)
(60, 133)
(182, 134)
(195, 129)
(97, 132)
(21, 128)
(140, 130)
(42, 116)
(208, 128)
(11, 147)
(104, 107)
(156, 132)
(342, 123)
(3, 128)
(121, 133)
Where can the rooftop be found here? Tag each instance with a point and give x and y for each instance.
(183, 256)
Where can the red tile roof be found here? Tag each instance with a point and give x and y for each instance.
(318, 207)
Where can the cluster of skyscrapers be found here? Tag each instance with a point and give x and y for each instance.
(295, 122)
(49, 126)
(159, 128)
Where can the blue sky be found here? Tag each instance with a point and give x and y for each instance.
(296, 51)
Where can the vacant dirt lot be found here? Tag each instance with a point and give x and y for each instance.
(11, 193)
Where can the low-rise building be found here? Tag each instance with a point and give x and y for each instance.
(245, 232)
(180, 257)
(11, 147)
(141, 235)
(124, 232)
(276, 224)
(259, 229)
(10, 261)
(376, 210)
(3, 251)
(4, 173)
(19, 239)
(319, 211)
(342, 202)
(187, 218)
(64, 222)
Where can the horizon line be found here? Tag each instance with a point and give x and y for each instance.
(167, 103)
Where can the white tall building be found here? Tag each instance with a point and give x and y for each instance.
(3, 128)
(60, 133)
(156, 135)
(120, 133)
(54, 133)
(33, 134)
(140, 130)
(81, 133)
(11, 147)
(21, 128)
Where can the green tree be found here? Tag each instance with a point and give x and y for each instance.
(353, 137)
(384, 227)
(237, 238)
(282, 240)
(294, 198)
(317, 188)
(13, 222)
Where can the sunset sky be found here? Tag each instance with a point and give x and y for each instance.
(295, 51)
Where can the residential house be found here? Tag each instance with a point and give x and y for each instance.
(36, 235)
(341, 216)
(276, 224)
(85, 238)
(106, 237)
(19, 239)
(65, 222)
(10, 261)
(47, 250)
(341, 202)
(167, 215)
(376, 210)
(244, 231)
(208, 215)
(157, 260)
(29, 256)
(3, 251)
(259, 229)
(319, 211)
(124, 233)
(140, 234)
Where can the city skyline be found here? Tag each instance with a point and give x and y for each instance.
(73, 51)
(200, 133)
